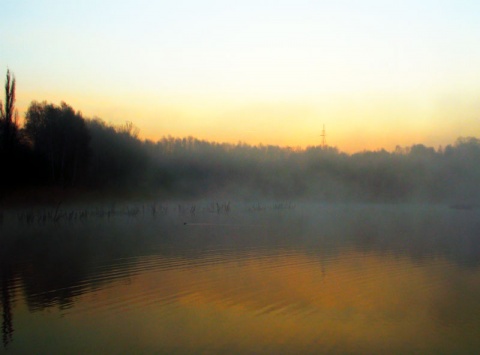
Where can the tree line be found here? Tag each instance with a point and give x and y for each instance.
(58, 147)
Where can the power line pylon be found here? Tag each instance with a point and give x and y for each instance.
(324, 137)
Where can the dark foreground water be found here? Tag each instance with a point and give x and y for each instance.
(271, 278)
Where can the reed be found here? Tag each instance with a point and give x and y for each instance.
(61, 214)
(57, 216)
(133, 211)
(257, 208)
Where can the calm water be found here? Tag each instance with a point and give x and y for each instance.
(258, 279)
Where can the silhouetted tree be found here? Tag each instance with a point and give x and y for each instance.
(60, 136)
(63, 148)
(13, 154)
(119, 159)
(8, 116)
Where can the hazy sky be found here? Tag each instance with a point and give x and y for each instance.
(376, 73)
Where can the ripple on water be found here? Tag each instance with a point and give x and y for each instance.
(317, 291)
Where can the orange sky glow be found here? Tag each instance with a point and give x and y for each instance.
(376, 74)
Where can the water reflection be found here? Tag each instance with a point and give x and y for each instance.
(6, 278)
(334, 279)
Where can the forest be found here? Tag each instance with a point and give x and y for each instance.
(58, 149)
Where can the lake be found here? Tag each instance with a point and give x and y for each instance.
(220, 277)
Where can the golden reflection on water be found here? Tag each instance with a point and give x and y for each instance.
(292, 303)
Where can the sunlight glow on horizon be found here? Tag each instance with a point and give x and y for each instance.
(377, 74)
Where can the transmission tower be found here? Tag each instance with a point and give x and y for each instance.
(324, 137)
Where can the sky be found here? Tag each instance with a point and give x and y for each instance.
(376, 73)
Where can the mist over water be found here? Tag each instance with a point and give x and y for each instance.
(262, 277)
(111, 243)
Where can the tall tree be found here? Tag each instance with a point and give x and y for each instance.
(8, 116)
(10, 151)
(60, 136)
